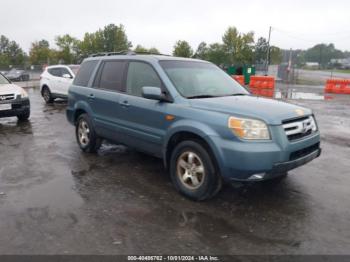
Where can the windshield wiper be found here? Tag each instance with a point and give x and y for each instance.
(200, 96)
(237, 94)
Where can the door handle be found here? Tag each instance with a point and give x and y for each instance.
(124, 103)
(91, 97)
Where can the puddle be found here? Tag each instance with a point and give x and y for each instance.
(292, 94)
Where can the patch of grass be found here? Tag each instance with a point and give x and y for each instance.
(346, 71)
(309, 82)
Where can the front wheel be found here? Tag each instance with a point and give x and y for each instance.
(24, 116)
(86, 136)
(47, 95)
(193, 171)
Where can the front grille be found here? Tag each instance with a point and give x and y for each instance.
(299, 127)
(16, 106)
(7, 97)
(304, 152)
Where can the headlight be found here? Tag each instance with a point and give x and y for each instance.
(251, 129)
(24, 94)
(313, 124)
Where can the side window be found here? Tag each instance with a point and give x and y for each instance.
(64, 71)
(111, 77)
(55, 72)
(140, 75)
(85, 72)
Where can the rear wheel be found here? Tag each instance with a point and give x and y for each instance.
(46, 93)
(193, 172)
(86, 136)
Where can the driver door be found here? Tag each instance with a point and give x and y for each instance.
(143, 120)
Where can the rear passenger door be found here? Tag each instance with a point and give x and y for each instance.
(105, 97)
(142, 119)
(55, 78)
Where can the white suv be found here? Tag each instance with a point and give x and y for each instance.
(55, 81)
(14, 100)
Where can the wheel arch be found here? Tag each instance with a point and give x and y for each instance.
(81, 108)
(183, 133)
(45, 85)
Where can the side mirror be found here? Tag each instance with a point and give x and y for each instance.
(154, 93)
(67, 76)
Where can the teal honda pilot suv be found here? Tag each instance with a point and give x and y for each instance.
(205, 126)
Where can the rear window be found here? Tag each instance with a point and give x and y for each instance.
(85, 72)
(55, 71)
(112, 75)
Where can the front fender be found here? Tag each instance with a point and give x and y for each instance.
(197, 128)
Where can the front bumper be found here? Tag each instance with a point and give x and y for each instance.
(19, 106)
(246, 161)
(289, 165)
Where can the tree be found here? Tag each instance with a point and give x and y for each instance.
(68, 48)
(40, 53)
(10, 52)
(154, 50)
(92, 43)
(261, 51)
(140, 49)
(110, 39)
(275, 55)
(115, 38)
(216, 54)
(238, 46)
(182, 49)
(202, 51)
(323, 53)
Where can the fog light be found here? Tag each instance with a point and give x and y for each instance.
(257, 176)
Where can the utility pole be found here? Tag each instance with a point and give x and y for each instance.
(289, 69)
(268, 52)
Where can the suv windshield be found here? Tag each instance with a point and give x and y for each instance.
(201, 80)
(3, 80)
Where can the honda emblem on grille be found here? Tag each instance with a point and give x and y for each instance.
(2, 98)
(304, 127)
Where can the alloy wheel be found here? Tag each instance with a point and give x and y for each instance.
(190, 170)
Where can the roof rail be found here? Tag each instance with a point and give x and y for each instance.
(125, 52)
(149, 53)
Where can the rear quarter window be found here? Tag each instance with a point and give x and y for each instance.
(84, 73)
(55, 71)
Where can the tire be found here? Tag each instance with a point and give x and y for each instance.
(46, 93)
(85, 134)
(186, 160)
(24, 116)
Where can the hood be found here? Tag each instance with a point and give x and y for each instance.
(15, 73)
(273, 112)
(10, 89)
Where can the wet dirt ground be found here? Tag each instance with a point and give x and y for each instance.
(54, 199)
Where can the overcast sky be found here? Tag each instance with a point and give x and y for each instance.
(159, 23)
